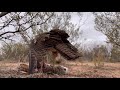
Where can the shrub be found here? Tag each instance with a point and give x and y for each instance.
(100, 54)
(14, 51)
(115, 54)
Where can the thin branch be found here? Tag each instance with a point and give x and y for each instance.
(40, 23)
(6, 24)
(13, 32)
(9, 23)
(30, 19)
(9, 32)
(3, 14)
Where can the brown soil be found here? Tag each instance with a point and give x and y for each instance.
(76, 70)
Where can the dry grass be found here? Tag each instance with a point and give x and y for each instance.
(76, 70)
(88, 70)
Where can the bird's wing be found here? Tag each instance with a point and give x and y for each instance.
(66, 51)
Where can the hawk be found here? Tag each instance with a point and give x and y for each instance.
(40, 46)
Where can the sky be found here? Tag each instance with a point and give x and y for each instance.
(90, 35)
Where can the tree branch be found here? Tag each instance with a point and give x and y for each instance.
(9, 32)
(27, 27)
(6, 24)
(3, 14)
(40, 23)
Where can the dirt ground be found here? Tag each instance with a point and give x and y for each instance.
(75, 70)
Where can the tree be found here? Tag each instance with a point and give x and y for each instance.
(29, 24)
(109, 24)
(20, 22)
(24, 26)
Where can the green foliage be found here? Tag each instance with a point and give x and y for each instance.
(14, 51)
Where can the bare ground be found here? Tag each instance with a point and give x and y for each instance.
(76, 70)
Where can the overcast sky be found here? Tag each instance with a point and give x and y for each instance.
(90, 35)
